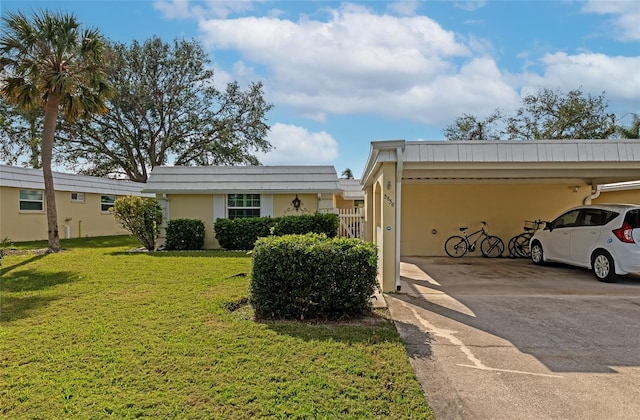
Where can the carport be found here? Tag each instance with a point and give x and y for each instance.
(418, 193)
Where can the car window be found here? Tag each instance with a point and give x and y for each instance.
(593, 217)
(633, 218)
(569, 219)
(609, 216)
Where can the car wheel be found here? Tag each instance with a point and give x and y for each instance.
(603, 267)
(537, 255)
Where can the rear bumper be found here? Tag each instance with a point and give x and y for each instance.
(628, 259)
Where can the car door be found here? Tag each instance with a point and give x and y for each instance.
(558, 243)
(584, 236)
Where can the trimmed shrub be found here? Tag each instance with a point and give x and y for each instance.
(184, 234)
(311, 276)
(242, 233)
(141, 216)
(307, 223)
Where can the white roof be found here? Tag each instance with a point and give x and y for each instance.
(242, 179)
(589, 162)
(351, 189)
(27, 178)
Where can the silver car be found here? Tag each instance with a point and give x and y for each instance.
(604, 238)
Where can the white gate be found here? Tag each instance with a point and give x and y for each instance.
(351, 223)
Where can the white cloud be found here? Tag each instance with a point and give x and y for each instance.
(470, 5)
(296, 145)
(182, 9)
(617, 77)
(625, 23)
(403, 7)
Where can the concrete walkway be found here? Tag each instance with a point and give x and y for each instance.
(503, 339)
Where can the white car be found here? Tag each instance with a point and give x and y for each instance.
(604, 238)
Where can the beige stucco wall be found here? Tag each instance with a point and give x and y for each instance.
(196, 206)
(432, 213)
(629, 196)
(85, 218)
(282, 204)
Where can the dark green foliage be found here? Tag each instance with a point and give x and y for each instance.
(184, 234)
(307, 223)
(242, 233)
(311, 276)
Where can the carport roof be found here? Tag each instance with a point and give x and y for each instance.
(590, 162)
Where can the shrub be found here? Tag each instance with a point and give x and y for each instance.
(242, 233)
(307, 223)
(184, 234)
(140, 216)
(311, 276)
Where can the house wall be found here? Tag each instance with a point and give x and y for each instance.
(196, 206)
(340, 203)
(83, 218)
(433, 212)
(282, 204)
(628, 196)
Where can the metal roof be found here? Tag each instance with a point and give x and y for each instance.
(242, 179)
(582, 161)
(27, 178)
(351, 189)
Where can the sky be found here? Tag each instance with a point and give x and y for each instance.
(343, 74)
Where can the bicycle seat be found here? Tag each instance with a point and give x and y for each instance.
(462, 229)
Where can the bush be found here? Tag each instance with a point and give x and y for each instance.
(307, 223)
(242, 233)
(140, 216)
(311, 276)
(184, 234)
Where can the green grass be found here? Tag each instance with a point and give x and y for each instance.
(98, 332)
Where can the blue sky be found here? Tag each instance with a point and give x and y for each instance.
(342, 74)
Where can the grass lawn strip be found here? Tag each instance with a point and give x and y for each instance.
(98, 332)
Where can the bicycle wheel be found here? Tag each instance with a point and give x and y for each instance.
(455, 246)
(513, 253)
(492, 247)
(521, 245)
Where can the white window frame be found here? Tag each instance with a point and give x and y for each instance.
(103, 202)
(79, 197)
(26, 200)
(231, 205)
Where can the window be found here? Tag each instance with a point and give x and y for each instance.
(243, 205)
(31, 200)
(568, 219)
(106, 202)
(77, 197)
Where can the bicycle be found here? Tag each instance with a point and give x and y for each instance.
(458, 246)
(519, 245)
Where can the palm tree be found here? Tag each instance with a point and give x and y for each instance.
(347, 174)
(49, 62)
(631, 132)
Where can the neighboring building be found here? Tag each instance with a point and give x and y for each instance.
(351, 196)
(419, 193)
(82, 204)
(211, 192)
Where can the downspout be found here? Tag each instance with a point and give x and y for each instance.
(399, 169)
(593, 196)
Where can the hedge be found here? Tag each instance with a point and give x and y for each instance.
(242, 233)
(184, 234)
(311, 276)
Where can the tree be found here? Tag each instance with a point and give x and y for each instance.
(48, 62)
(468, 127)
(20, 134)
(632, 131)
(167, 110)
(140, 216)
(347, 174)
(549, 114)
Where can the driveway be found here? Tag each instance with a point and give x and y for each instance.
(504, 339)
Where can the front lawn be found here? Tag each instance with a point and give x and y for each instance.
(99, 332)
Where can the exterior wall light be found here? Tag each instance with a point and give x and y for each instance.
(296, 203)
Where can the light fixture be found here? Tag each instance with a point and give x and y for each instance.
(296, 203)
